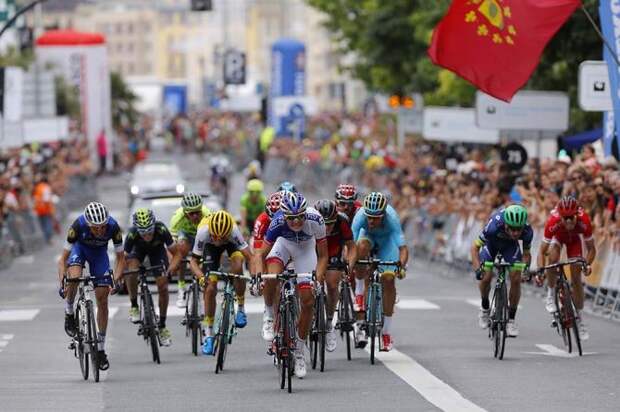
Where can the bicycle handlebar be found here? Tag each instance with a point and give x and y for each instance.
(227, 275)
(572, 261)
(378, 262)
(488, 265)
(286, 276)
(143, 269)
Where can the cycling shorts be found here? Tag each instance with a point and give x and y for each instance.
(97, 259)
(335, 263)
(384, 247)
(574, 247)
(511, 253)
(157, 256)
(213, 254)
(302, 255)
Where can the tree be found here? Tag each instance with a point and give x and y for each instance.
(123, 102)
(390, 38)
(67, 99)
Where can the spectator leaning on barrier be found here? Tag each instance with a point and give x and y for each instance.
(44, 205)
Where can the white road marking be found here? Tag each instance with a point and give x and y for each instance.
(4, 340)
(425, 383)
(13, 315)
(7, 336)
(476, 303)
(3, 343)
(250, 308)
(416, 304)
(550, 350)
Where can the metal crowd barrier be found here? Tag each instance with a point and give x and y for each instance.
(448, 239)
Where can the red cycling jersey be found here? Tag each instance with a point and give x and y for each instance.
(261, 224)
(340, 234)
(356, 206)
(556, 232)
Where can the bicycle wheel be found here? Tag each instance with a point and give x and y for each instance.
(564, 318)
(150, 324)
(92, 340)
(291, 343)
(371, 319)
(194, 323)
(81, 333)
(495, 322)
(322, 330)
(346, 319)
(282, 348)
(571, 319)
(221, 339)
(313, 337)
(503, 310)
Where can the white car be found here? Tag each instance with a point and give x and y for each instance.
(154, 177)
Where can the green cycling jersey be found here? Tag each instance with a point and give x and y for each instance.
(253, 209)
(181, 227)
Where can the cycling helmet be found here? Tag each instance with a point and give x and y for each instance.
(96, 214)
(143, 219)
(293, 204)
(273, 203)
(515, 216)
(346, 192)
(327, 209)
(287, 186)
(255, 185)
(567, 206)
(191, 202)
(221, 224)
(375, 204)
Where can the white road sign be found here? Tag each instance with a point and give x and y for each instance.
(453, 124)
(528, 110)
(594, 87)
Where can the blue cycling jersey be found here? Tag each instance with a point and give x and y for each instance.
(390, 227)
(314, 227)
(494, 235)
(80, 233)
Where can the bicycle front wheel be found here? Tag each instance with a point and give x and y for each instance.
(81, 333)
(221, 340)
(564, 315)
(322, 330)
(194, 323)
(92, 340)
(502, 310)
(371, 321)
(151, 326)
(291, 343)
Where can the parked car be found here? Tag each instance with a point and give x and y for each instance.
(155, 177)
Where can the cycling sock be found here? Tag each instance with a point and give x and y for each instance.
(210, 320)
(240, 307)
(387, 323)
(330, 323)
(359, 286)
(68, 307)
(550, 291)
(101, 341)
(512, 312)
(134, 302)
(485, 303)
(162, 322)
(181, 284)
(269, 312)
(210, 331)
(241, 300)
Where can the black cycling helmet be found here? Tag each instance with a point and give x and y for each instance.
(327, 209)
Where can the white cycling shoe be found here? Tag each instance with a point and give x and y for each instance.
(511, 329)
(483, 318)
(300, 363)
(330, 340)
(267, 331)
(550, 304)
(181, 298)
(583, 331)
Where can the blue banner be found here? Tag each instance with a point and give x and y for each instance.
(175, 98)
(609, 11)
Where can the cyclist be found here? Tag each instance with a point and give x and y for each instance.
(501, 235)
(183, 227)
(218, 233)
(270, 286)
(219, 177)
(568, 225)
(87, 242)
(149, 237)
(287, 186)
(339, 235)
(297, 233)
(377, 230)
(253, 170)
(346, 200)
(252, 204)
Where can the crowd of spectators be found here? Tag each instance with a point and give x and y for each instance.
(32, 180)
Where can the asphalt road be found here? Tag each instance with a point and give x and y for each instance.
(442, 361)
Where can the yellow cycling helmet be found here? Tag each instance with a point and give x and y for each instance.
(255, 185)
(221, 224)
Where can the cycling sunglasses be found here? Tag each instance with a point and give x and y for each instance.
(569, 218)
(330, 222)
(148, 231)
(344, 202)
(301, 216)
(515, 229)
(194, 213)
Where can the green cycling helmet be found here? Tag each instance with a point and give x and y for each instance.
(143, 219)
(191, 202)
(515, 216)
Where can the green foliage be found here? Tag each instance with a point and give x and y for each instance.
(390, 38)
(67, 99)
(13, 57)
(123, 102)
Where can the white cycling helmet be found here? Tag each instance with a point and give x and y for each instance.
(96, 214)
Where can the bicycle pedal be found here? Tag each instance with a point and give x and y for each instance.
(554, 324)
(140, 331)
(71, 345)
(184, 322)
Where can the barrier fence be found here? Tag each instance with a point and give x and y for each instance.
(21, 232)
(448, 239)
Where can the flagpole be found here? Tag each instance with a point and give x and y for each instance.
(614, 55)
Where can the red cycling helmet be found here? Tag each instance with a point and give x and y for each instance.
(273, 203)
(567, 206)
(346, 192)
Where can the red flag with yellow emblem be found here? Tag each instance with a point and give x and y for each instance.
(496, 44)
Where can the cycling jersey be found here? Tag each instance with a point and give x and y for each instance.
(556, 232)
(253, 209)
(211, 251)
(340, 234)
(182, 228)
(261, 224)
(356, 206)
(494, 240)
(137, 248)
(386, 239)
(299, 247)
(85, 247)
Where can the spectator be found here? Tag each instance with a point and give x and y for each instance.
(102, 151)
(44, 206)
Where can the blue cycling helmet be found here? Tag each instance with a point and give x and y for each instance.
(375, 204)
(287, 186)
(293, 204)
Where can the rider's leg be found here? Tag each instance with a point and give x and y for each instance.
(236, 266)
(389, 299)
(485, 283)
(209, 301)
(332, 279)
(306, 303)
(514, 296)
(132, 281)
(102, 293)
(162, 290)
(364, 247)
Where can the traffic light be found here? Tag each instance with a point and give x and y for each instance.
(202, 5)
(406, 102)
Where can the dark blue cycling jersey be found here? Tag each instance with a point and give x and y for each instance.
(494, 239)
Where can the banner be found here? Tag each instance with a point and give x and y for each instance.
(608, 11)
